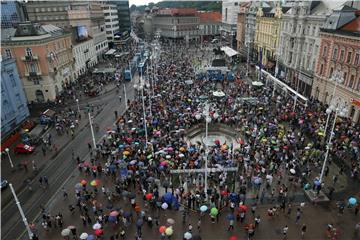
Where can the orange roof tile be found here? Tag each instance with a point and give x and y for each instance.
(353, 26)
(209, 16)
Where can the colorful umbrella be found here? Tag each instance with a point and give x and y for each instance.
(169, 231)
(126, 153)
(203, 208)
(243, 208)
(114, 213)
(83, 182)
(214, 211)
(90, 237)
(96, 226)
(162, 229)
(148, 196)
(95, 182)
(99, 232)
(170, 221)
(352, 201)
(84, 236)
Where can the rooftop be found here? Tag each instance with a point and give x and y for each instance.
(209, 16)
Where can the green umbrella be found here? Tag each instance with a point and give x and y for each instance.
(214, 211)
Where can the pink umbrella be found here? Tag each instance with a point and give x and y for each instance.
(170, 149)
(114, 213)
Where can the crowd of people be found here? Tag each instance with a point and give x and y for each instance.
(278, 153)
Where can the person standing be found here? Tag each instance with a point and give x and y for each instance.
(231, 225)
(303, 231)
(285, 231)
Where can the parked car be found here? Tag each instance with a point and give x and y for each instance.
(23, 148)
(3, 184)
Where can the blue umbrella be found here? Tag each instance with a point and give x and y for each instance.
(139, 222)
(140, 164)
(203, 208)
(233, 197)
(90, 237)
(230, 217)
(168, 197)
(317, 182)
(352, 201)
(121, 146)
(112, 219)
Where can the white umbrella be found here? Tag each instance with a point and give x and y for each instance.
(170, 221)
(219, 94)
(292, 171)
(65, 232)
(96, 226)
(257, 84)
(187, 235)
(164, 205)
(189, 82)
(84, 235)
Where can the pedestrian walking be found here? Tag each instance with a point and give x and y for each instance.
(298, 215)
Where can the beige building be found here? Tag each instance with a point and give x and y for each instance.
(43, 58)
(70, 15)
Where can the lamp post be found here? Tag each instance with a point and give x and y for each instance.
(21, 212)
(92, 130)
(205, 113)
(141, 89)
(126, 106)
(7, 150)
(77, 103)
(340, 109)
(247, 43)
(338, 78)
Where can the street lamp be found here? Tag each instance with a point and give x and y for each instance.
(247, 44)
(126, 106)
(338, 78)
(7, 150)
(92, 130)
(141, 88)
(340, 109)
(205, 113)
(77, 103)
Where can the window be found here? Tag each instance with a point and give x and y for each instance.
(12, 80)
(342, 53)
(321, 69)
(325, 51)
(28, 52)
(32, 67)
(356, 61)
(335, 52)
(351, 82)
(345, 77)
(331, 72)
(226, 14)
(8, 53)
(236, 4)
(348, 60)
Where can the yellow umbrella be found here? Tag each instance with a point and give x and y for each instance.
(126, 153)
(95, 182)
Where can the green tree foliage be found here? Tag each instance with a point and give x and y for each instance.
(199, 5)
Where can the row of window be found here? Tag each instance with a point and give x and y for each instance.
(53, 9)
(349, 79)
(45, 18)
(348, 55)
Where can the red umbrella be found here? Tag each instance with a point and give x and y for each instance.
(83, 182)
(243, 208)
(94, 167)
(233, 238)
(99, 232)
(224, 193)
(217, 142)
(148, 196)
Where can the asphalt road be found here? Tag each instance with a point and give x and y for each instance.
(59, 169)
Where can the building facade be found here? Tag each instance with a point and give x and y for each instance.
(72, 16)
(84, 56)
(12, 13)
(267, 34)
(230, 10)
(123, 13)
(339, 51)
(43, 58)
(299, 41)
(209, 25)
(111, 20)
(250, 28)
(14, 108)
(177, 23)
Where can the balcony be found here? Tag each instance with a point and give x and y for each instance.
(32, 74)
(29, 58)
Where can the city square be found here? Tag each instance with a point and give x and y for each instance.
(188, 125)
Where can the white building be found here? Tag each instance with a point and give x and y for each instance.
(230, 10)
(85, 56)
(111, 20)
(299, 42)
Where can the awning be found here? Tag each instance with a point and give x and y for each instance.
(104, 70)
(229, 51)
(110, 52)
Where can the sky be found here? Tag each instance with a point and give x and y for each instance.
(142, 2)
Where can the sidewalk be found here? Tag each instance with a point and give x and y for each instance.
(19, 175)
